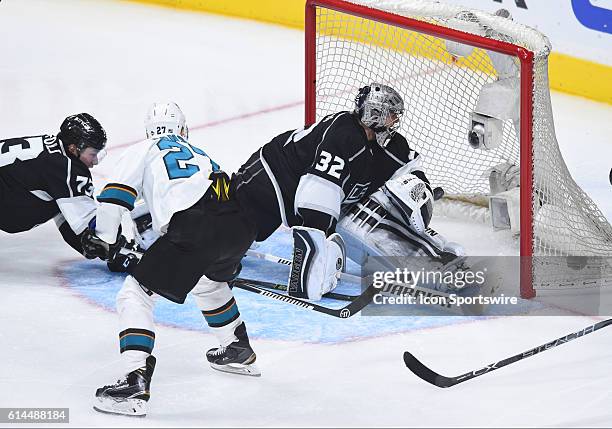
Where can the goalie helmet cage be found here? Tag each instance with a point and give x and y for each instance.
(402, 43)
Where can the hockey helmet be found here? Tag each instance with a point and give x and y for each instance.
(165, 118)
(82, 130)
(380, 108)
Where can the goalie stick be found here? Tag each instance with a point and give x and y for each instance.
(285, 261)
(397, 289)
(436, 379)
(333, 295)
(283, 287)
(354, 307)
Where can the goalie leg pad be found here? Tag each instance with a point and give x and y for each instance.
(317, 263)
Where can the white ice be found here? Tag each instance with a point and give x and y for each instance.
(240, 83)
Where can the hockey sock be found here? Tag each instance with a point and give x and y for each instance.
(218, 306)
(137, 336)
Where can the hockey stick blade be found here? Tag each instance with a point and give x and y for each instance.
(432, 377)
(354, 307)
(417, 367)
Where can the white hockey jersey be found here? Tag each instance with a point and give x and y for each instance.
(168, 173)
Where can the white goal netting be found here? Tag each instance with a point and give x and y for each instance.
(442, 83)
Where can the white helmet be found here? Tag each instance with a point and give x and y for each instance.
(165, 118)
(413, 199)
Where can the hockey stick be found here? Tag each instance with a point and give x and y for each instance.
(283, 287)
(436, 379)
(354, 307)
(269, 285)
(391, 289)
(284, 261)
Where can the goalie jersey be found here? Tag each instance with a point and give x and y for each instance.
(39, 181)
(168, 173)
(311, 176)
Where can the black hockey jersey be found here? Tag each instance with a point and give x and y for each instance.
(39, 181)
(324, 168)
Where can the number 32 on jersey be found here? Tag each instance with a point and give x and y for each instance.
(330, 164)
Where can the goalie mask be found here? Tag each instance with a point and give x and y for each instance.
(380, 108)
(165, 118)
(413, 199)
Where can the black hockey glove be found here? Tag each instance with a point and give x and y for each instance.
(122, 263)
(93, 246)
(143, 222)
(125, 259)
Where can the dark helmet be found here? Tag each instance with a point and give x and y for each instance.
(82, 130)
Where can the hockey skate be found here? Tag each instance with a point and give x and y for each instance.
(129, 395)
(236, 358)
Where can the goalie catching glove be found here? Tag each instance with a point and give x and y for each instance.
(413, 199)
(317, 263)
(394, 222)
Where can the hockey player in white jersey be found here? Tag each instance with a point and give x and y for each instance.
(202, 233)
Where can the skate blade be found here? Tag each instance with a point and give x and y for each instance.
(236, 368)
(128, 407)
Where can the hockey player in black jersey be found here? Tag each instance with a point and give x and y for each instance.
(307, 178)
(47, 177)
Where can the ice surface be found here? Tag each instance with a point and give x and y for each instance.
(240, 83)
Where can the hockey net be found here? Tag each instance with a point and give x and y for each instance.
(408, 44)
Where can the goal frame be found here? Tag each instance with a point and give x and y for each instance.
(526, 137)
